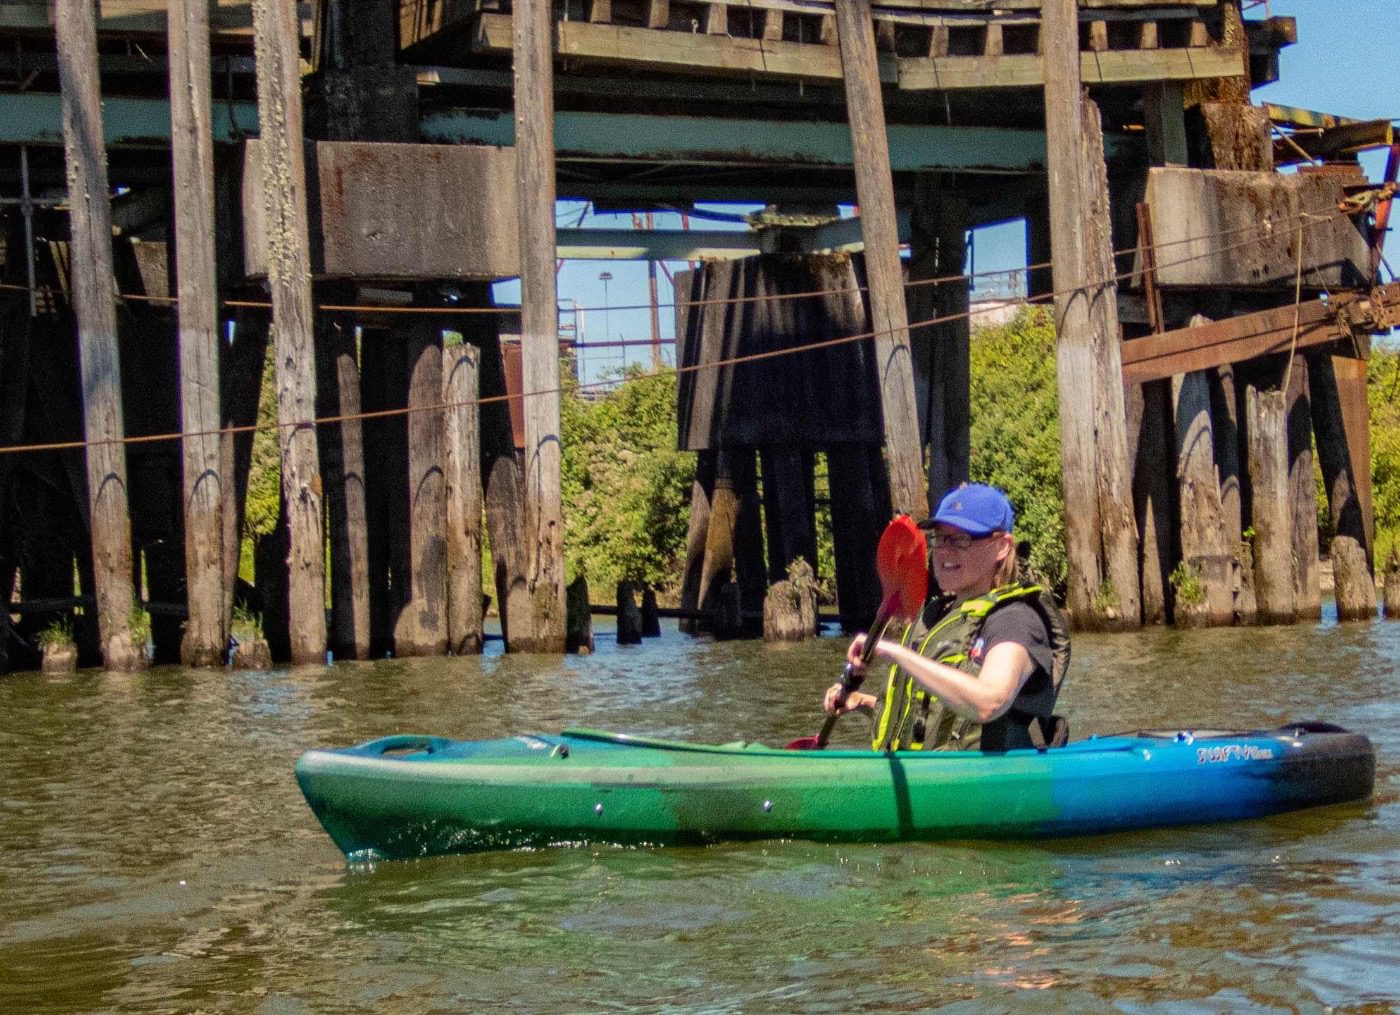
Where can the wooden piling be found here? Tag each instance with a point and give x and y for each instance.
(341, 446)
(789, 508)
(240, 375)
(1302, 494)
(1342, 442)
(421, 628)
(651, 614)
(461, 372)
(629, 617)
(942, 352)
(579, 637)
(1271, 516)
(503, 497)
(205, 640)
(889, 320)
(1150, 419)
(1203, 586)
(270, 574)
(276, 36)
(697, 531)
(790, 607)
(859, 513)
(75, 25)
(386, 449)
(539, 328)
(1100, 535)
(1226, 433)
(1392, 585)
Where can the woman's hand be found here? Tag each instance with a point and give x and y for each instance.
(854, 653)
(855, 701)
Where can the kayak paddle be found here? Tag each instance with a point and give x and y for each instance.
(901, 561)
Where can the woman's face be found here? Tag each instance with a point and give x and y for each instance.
(967, 570)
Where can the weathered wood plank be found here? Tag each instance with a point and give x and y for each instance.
(284, 180)
(1023, 70)
(1236, 339)
(650, 48)
(539, 329)
(205, 641)
(625, 44)
(397, 211)
(880, 227)
(1100, 536)
(91, 289)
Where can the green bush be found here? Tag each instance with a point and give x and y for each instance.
(57, 635)
(1015, 431)
(1383, 389)
(626, 489)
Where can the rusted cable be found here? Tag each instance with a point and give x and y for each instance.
(675, 371)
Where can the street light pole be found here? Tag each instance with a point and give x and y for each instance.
(605, 277)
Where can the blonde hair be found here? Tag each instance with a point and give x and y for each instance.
(1008, 570)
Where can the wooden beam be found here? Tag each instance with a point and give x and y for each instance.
(646, 47)
(714, 51)
(375, 210)
(879, 225)
(289, 277)
(1237, 339)
(91, 289)
(544, 630)
(1023, 70)
(205, 640)
(1242, 229)
(1163, 110)
(1342, 140)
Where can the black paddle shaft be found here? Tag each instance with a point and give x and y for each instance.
(850, 679)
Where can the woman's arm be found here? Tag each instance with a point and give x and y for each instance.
(983, 697)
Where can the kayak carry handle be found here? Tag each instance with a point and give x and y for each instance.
(402, 743)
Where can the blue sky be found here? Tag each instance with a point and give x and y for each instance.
(1343, 63)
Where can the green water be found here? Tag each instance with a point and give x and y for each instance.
(155, 855)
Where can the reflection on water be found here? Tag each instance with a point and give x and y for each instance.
(155, 855)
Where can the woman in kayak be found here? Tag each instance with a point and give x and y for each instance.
(982, 665)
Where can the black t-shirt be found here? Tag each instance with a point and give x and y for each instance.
(1021, 623)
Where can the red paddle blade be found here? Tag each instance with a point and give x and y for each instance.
(901, 560)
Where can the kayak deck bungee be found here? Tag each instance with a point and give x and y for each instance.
(413, 795)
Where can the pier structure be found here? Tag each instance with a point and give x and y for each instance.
(327, 191)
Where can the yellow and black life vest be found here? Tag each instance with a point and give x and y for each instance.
(912, 719)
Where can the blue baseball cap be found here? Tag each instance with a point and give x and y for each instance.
(975, 508)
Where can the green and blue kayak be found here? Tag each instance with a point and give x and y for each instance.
(412, 795)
